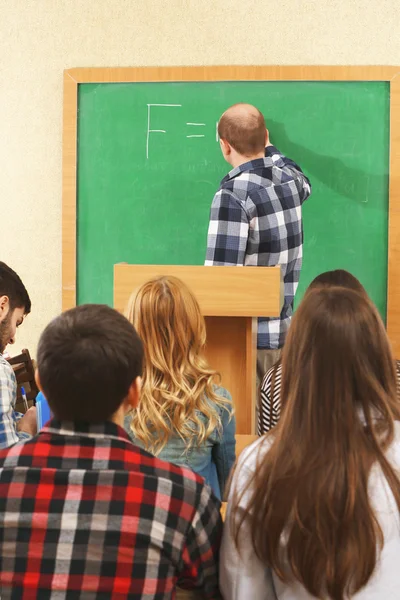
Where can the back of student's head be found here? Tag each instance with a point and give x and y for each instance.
(339, 278)
(12, 287)
(176, 377)
(327, 279)
(167, 317)
(339, 405)
(88, 358)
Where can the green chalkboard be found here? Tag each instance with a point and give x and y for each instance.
(149, 165)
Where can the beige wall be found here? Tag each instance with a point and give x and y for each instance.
(40, 38)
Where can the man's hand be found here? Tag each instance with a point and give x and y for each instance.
(28, 422)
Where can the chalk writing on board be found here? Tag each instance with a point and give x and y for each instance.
(149, 130)
(195, 135)
(189, 124)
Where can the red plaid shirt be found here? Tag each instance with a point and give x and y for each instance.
(85, 514)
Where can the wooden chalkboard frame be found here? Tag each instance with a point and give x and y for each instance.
(73, 77)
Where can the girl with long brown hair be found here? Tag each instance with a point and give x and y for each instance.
(183, 416)
(314, 506)
(270, 389)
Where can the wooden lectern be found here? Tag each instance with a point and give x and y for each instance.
(231, 299)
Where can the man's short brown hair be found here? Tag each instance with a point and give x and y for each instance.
(243, 127)
(88, 358)
(12, 286)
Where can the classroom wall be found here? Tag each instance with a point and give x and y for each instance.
(40, 38)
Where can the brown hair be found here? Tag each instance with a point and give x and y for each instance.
(12, 286)
(88, 358)
(177, 380)
(337, 277)
(243, 127)
(310, 488)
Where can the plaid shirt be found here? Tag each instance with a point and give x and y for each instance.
(256, 220)
(8, 416)
(85, 514)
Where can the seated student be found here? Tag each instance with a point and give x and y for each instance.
(15, 304)
(183, 416)
(270, 391)
(313, 510)
(83, 512)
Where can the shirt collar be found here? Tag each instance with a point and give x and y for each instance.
(91, 430)
(4, 362)
(251, 165)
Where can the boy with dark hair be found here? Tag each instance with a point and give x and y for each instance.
(83, 512)
(15, 304)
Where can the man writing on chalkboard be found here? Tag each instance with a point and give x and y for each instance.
(255, 217)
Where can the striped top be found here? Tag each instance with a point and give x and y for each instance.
(270, 398)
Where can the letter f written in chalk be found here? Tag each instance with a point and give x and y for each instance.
(149, 130)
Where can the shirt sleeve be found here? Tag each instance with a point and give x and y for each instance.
(302, 182)
(200, 552)
(270, 400)
(227, 232)
(265, 412)
(242, 574)
(8, 417)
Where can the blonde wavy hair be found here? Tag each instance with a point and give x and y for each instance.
(178, 383)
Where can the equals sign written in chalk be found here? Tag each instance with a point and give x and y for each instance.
(196, 125)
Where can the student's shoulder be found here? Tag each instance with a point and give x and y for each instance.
(226, 406)
(6, 369)
(178, 477)
(19, 454)
(395, 447)
(251, 456)
(221, 391)
(267, 379)
(187, 492)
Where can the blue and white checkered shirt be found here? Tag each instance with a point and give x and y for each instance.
(8, 416)
(256, 220)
